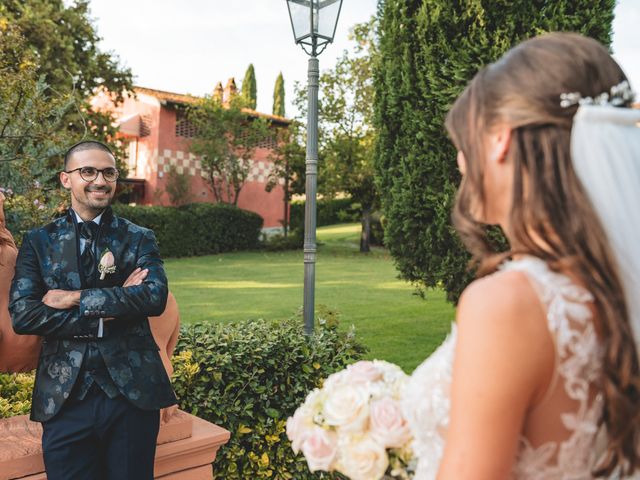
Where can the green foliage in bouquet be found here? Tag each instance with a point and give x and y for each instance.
(198, 228)
(15, 394)
(249, 377)
(429, 50)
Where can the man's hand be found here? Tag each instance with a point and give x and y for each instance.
(136, 277)
(62, 299)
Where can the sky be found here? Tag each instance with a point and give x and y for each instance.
(187, 46)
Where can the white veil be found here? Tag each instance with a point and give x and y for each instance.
(605, 151)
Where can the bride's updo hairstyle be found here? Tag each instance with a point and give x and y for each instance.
(522, 90)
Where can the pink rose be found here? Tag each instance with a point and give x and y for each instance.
(387, 425)
(298, 429)
(319, 448)
(364, 371)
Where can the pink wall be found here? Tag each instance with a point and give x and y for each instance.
(161, 148)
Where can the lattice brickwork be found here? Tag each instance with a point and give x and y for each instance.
(188, 163)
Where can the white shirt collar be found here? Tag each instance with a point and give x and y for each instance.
(95, 220)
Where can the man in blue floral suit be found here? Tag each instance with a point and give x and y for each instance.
(87, 283)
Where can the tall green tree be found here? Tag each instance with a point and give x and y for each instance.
(278, 96)
(226, 141)
(250, 88)
(32, 127)
(429, 50)
(66, 44)
(33, 135)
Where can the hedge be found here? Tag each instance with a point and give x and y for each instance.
(15, 393)
(428, 51)
(198, 228)
(328, 212)
(249, 377)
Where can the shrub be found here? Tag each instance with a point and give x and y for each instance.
(15, 394)
(429, 50)
(198, 228)
(249, 377)
(293, 241)
(329, 211)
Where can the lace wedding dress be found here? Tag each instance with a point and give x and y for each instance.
(572, 405)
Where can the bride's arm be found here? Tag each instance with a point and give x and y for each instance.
(503, 363)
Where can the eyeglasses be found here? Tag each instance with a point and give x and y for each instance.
(89, 174)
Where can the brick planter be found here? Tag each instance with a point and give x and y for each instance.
(187, 446)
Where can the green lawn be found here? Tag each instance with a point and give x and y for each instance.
(395, 324)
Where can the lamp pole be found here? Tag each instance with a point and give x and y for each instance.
(311, 187)
(314, 26)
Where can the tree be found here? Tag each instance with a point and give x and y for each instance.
(226, 139)
(249, 88)
(429, 50)
(288, 159)
(32, 126)
(178, 187)
(278, 96)
(65, 43)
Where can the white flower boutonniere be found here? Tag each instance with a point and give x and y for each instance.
(107, 264)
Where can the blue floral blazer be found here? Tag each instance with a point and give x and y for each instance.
(48, 259)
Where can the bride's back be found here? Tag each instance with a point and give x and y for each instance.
(513, 129)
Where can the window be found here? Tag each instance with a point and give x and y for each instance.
(184, 128)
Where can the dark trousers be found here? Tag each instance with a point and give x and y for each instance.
(99, 438)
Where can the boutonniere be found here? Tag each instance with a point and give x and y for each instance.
(107, 264)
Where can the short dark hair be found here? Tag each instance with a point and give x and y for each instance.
(85, 145)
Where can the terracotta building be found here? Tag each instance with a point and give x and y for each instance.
(156, 138)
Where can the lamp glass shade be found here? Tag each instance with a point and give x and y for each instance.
(314, 19)
(300, 14)
(328, 12)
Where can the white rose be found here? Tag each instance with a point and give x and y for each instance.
(363, 371)
(319, 448)
(363, 460)
(347, 407)
(298, 428)
(387, 425)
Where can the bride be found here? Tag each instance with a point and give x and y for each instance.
(540, 377)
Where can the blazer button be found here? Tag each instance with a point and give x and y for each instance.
(86, 313)
(102, 312)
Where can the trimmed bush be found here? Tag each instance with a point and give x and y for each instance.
(198, 228)
(249, 378)
(428, 51)
(15, 394)
(329, 212)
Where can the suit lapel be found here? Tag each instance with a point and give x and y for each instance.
(66, 255)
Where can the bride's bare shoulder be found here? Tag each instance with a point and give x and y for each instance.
(504, 311)
(505, 296)
(503, 331)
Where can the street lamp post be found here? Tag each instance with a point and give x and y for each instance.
(314, 26)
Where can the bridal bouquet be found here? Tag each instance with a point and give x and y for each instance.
(354, 423)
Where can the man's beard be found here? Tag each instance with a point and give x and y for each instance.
(100, 202)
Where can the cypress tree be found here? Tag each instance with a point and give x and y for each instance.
(429, 50)
(278, 96)
(249, 87)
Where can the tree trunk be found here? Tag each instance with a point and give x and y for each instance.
(365, 235)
